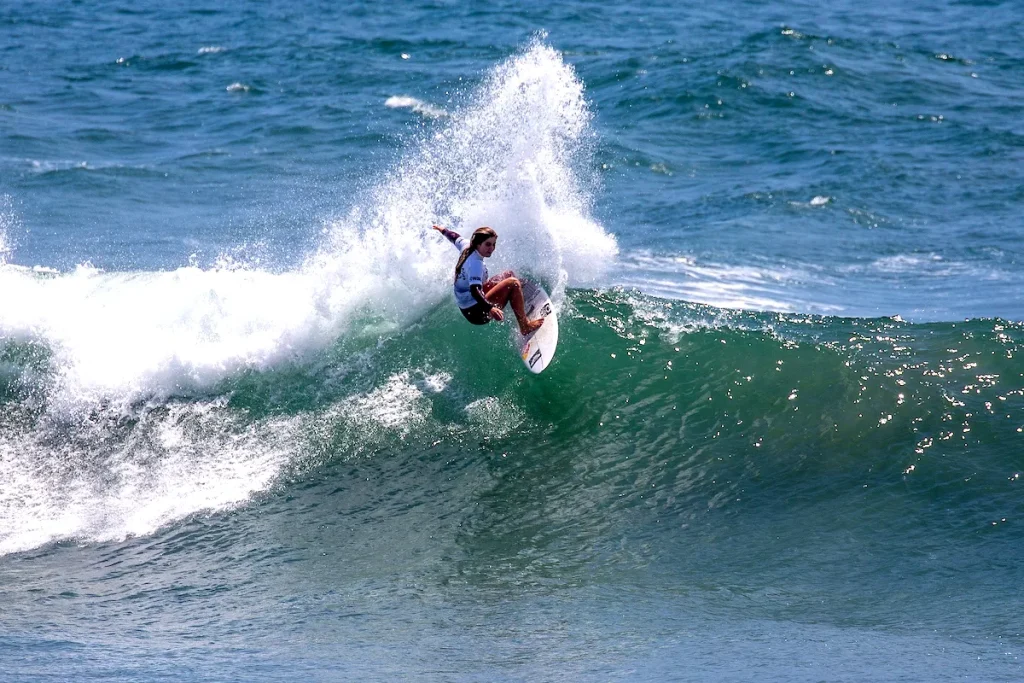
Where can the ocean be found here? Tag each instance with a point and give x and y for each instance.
(245, 434)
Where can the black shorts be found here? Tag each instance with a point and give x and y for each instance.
(478, 314)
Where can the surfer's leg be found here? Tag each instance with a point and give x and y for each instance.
(511, 290)
(496, 279)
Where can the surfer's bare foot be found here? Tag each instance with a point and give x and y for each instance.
(530, 326)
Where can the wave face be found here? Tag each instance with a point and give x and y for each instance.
(668, 407)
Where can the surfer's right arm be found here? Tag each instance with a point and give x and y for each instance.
(495, 311)
(450, 235)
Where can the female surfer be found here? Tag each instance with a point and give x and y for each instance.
(481, 299)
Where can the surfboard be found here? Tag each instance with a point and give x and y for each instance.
(537, 348)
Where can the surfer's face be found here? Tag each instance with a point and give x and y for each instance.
(486, 247)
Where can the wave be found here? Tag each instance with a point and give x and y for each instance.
(120, 389)
(124, 337)
(716, 409)
(133, 400)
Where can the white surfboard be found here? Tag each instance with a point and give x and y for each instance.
(537, 348)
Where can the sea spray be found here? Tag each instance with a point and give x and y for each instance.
(123, 391)
(515, 156)
(8, 219)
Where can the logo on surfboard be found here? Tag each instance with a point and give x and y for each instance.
(537, 355)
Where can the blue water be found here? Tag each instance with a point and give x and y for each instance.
(244, 435)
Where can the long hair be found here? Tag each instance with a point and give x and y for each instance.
(480, 235)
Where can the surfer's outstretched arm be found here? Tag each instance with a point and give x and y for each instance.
(450, 235)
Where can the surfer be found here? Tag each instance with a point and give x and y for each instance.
(481, 299)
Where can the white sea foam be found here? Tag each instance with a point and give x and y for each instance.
(48, 166)
(117, 338)
(815, 202)
(398, 405)
(418, 106)
(760, 288)
(492, 164)
(500, 418)
(927, 267)
(510, 158)
(191, 458)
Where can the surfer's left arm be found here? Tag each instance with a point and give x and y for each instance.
(450, 235)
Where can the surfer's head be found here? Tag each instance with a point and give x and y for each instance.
(483, 240)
